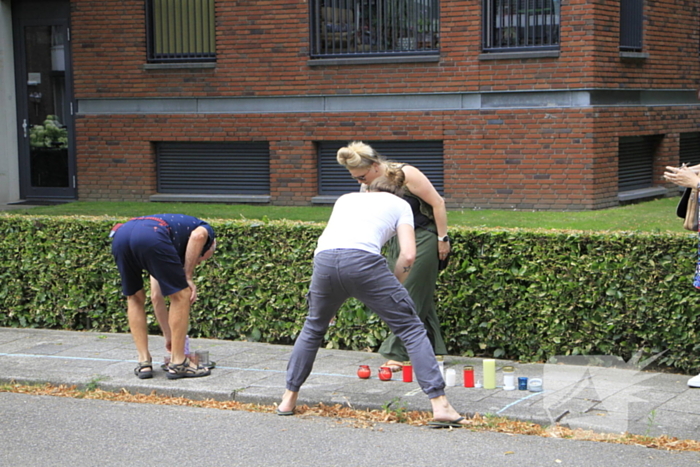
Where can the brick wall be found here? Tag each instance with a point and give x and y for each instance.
(559, 158)
(262, 49)
(525, 158)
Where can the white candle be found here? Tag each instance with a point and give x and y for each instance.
(451, 377)
(508, 378)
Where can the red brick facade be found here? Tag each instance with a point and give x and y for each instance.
(526, 158)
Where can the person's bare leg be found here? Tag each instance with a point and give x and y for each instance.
(179, 317)
(289, 401)
(443, 410)
(161, 311)
(136, 313)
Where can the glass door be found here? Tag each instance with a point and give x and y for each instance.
(44, 110)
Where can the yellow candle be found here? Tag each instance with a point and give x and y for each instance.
(489, 373)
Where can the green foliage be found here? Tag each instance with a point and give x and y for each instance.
(396, 407)
(651, 216)
(49, 135)
(529, 295)
(94, 383)
(520, 294)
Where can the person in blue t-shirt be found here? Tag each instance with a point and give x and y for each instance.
(168, 247)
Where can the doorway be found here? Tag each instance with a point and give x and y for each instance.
(44, 99)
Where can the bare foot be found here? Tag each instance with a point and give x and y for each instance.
(444, 412)
(289, 401)
(394, 365)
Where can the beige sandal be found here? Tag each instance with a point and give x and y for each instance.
(394, 365)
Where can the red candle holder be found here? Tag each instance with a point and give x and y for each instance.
(468, 376)
(407, 372)
(364, 372)
(385, 373)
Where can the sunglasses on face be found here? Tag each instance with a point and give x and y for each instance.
(362, 178)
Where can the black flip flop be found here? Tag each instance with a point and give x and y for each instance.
(284, 414)
(447, 424)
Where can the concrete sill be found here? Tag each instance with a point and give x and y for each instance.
(227, 199)
(373, 60)
(519, 55)
(179, 66)
(633, 195)
(634, 55)
(325, 199)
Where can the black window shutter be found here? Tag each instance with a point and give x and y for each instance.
(689, 150)
(214, 168)
(636, 162)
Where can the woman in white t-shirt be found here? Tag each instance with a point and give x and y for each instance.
(348, 263)
(365, 164)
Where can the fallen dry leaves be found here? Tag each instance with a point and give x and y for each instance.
(366, 418)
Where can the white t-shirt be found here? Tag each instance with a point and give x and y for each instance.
(364, 221)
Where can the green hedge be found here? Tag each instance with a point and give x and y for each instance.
(519, 294)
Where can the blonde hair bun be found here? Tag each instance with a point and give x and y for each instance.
(357, 154)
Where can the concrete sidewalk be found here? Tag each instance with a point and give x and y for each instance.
(601, 399)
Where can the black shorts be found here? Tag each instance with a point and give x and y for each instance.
(145, 244)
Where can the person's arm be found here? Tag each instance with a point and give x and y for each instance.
(161, 311)
(407, 251)
(193, 255)
(682, 176)
(420, 186)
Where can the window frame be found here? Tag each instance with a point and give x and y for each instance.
(631, 25)
(191, 41)
(358, 28)
(498, 37)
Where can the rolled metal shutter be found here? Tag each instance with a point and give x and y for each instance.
(636, 162)
(214, 168)
(427, 156)
(689, 150)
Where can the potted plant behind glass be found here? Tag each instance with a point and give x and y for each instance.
(49, 135)
(49, 153)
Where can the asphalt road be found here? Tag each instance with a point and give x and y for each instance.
(38, 431)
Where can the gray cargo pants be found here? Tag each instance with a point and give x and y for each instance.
(341, 274)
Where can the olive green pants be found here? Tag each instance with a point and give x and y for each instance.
(420, 284)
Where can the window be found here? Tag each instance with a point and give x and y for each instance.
(427, 156)
(213, 168)
(180, 31)
(340, 28)
(636, 162)
(631, 22)
(518, 25)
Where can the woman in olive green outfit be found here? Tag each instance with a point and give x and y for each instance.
(432, 243)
